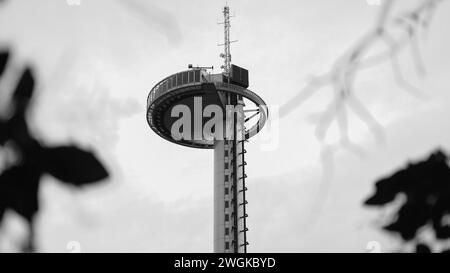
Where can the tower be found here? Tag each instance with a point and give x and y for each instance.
(198, 109)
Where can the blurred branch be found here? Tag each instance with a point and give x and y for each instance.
(341, 77)
(342, 74)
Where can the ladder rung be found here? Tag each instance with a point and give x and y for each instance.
(244, 216)
(243, 150)
(245, 176)
(243, 204)
(244, 230)
(243, 164)
(244, 189)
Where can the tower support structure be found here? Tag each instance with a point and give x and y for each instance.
(230, 214)
(227, 91)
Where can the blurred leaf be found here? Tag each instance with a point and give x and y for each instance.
(440, 211)
(24, 90)
(422, 248)
(73, 165)
(426, 185)
(3, 132)
(3, 61)
(410, 218)
(19, 190)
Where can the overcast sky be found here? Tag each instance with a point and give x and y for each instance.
(97, 62)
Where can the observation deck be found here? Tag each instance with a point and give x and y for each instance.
(182, 87)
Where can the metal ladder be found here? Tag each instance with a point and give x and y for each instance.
(242, 191)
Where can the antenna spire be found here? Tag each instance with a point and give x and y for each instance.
(226, 55)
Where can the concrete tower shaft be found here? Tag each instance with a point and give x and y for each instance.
(230, 231)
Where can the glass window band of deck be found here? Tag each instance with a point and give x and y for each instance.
(176, 80)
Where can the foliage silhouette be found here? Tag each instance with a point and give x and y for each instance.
(426, 186)
(422, 248)
(19, 183)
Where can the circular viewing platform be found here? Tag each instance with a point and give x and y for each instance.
(182, 87)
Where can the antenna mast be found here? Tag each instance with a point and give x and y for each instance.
(227, 42)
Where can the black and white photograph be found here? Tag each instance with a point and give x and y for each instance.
(224, 127)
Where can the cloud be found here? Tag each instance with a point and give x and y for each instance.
(157, 17)
(125, 220)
